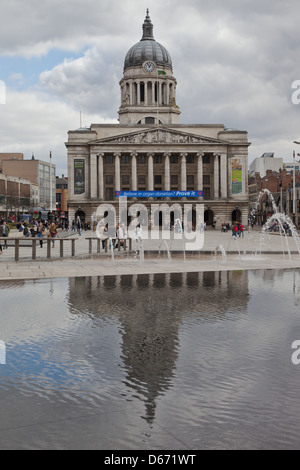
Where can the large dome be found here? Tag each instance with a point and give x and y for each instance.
(147, 49)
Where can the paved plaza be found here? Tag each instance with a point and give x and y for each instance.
(219, 252)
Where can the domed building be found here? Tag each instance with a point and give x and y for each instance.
(149, 151)
(148, 88)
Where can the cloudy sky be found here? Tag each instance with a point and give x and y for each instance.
(235, 63)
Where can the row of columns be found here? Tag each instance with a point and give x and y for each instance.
(220, 174)
(164, 92)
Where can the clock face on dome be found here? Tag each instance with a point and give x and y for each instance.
(149, 67)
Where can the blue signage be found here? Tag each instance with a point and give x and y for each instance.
(159, 194)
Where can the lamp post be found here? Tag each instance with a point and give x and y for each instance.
(51, 208)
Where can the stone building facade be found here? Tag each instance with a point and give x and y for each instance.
(149, 150)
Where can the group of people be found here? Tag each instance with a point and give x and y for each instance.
(78, 226)
(119, 234)
(238, 230)
(40, 230)
(225, 227)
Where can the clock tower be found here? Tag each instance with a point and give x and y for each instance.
(148, 87)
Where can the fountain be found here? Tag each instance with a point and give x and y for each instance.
(221, 249)
(111, 247)
(178, 222)
(283, 221)
(167, 249)
(139, 253)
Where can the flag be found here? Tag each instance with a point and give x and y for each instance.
(161, 72)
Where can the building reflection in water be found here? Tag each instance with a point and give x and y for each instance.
(150, 310)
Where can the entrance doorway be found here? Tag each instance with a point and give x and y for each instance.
(236, 216)
(209, 217)
(81, 215)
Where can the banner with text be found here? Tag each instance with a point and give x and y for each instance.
(160, 194)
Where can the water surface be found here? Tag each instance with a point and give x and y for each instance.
(177, 361)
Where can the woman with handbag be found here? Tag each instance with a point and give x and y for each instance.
(53, 233)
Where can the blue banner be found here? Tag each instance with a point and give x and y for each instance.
(159, 194)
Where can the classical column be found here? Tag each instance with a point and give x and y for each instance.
(146, 93)
(160, 94)
(168, 92)
(153, 92)
(133, 172)
(93, 176)
(150, 173)
(200, 172)
(117, 172)
(100, 177)
(130, 93)
(138, 94)
(224, 176)
(167, 172)
(183, 171)
(216, 176)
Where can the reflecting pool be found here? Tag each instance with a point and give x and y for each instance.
(177, 361)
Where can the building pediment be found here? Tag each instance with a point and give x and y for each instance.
(158, 136)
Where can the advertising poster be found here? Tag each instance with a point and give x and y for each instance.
(79, 176)
(237, 176)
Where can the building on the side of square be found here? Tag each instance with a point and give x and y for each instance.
(149, 150)
(41, 174)
(17, 195)
(265, 163)
(62, 195)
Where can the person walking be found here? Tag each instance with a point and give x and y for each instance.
(53, 233)
(79, 225)
(4, 232)
(242, 230)
(40, 233)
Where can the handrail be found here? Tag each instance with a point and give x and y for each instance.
(34, 241)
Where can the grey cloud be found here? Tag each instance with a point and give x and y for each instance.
(234, 61)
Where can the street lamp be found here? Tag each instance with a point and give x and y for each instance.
(51, 208)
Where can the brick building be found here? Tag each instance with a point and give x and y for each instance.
(38, 172)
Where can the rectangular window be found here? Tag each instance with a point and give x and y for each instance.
(190, 180)
(206, 159)
(190, 159)
(109, 160)
(157, 159)
(125, 159)
(174, 159)
(141, 179)
(174, 179)
(109, 194)
(142, 160)
(109, 179)
(206, 179)
(206, 193)
(125, 179)
(157, 179)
